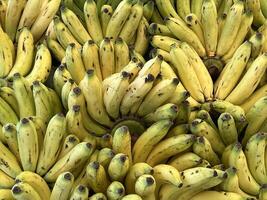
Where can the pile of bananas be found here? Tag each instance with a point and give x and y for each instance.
(153, 100)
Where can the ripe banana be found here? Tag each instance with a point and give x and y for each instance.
(8, 115)
(56, 49)
(69, 143)
(107, 57)
(208, 195)
(145, 187)
(80, 192)
(105, 15)
(6, 182)
(185, 161)
(104, 157)
(122, 56)
(115, 190)
(118, 167)
(24, 191)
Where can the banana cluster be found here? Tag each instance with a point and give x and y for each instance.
(34, 14)
(30, 62)
(94, 22)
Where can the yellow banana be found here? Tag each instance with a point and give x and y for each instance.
(61, 76)
(152, 67)
(118, 167)
(209, 194)
(7, 94)
(6, 182)
(66, 89)
(69, 143)
(24, 191)
(250, 81)
(92, 21)
(13, 14)
(105, 15)
(75, 158)
(209, 19)
(169, 147)
(132, 197)
(255, 7)
(230, 28)
(149, 8)
(189, 78)
(3, 9)
(163, 42)
(122, 56)
(62, 186)
(80, 192)
(145, 187)
(48, 11)
(178, 130)
(166, 9)
(25, 51)
(196, 6)
(256, 40)
(115, 190)
(98, 196)
(262, 194)
(104, 157)
(56, 49)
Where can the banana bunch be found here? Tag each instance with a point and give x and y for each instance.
(94, 22)
(30, 62)
(34, 15)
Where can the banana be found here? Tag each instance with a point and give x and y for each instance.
(185, 161)
(196, 6)
(235, 66)
(194, 180)
(80, 192)
(105, 15)
(152, 67)
(221, 21)
(178, 130)
(90, 57)
(76, 97)
(204, 163)
(238, 160)
(201, 128)
(9, 164)
(136, 92)
(149, 139)
(166, 174)
(92, 21)
(56, 49)
(118, 19)
(149, 8)
(55, 133)
(42, 102)
(92, 90)
(98, 179)
(98, 196)
(209, 194)
(66, 89)
(23, 95)
(75, 158)
(118, 167)
(75, 125)
(201, 71)
(256, 117)
(42, 65)
(145, 187)
(227, 128)
(122, 57)
(186, 72)
(183, 8)
(40, 127)
(134, 172)
(6, 194)
(166, 55)
(194, 23)
(76, 8)
(202, 147)
(209, 19)
(13, 14)
(107, 57)
(50, 32)
(36, 182)
(255, 7)
(64, 35)
(74, 63)
(163, 42)
(170, 147)
(7, 54)
(250, 81)
(62, 186)
(10, 134)
(230, 28)
(24, 191)
(104, 141)
(61, 76)
(115, 190)
(168, 111)
(54, 101)
(25, 52)
(255, 149)
(74, 25)
(8, 115)
(230, 184)
(183, 113)
(184, 33)
(204, 115)
(28, 144)
(131, 24)
(3, 9)
(257, 41)
(180, 95)
(30, 13)
(246, 22)
(249, 102)
(48, 11)
(133, 68)
(6, 182)
(104, 157)
(157, 96)
(69, 143)
(262, 194)
(166, 9)
(131, 197)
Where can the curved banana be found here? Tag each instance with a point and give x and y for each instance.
(37, 183)
(255, 7)
(105, 15)
(263, 194)
(69, 143)
(166, 9)
(8, 115)
(118, 167)
(25, 52)
(66, 89)
(170, 147)
(56, 49)
(61, 76)
(98, 196)
(122, 55)
(6, 182)
(196, 6)
(25, 191)
(105, 156)
(80, 192)
(163, 42)
(183, 8)
(132, 197)
(145, 187)
(209, 194)
(115, 190)
(92, 21)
